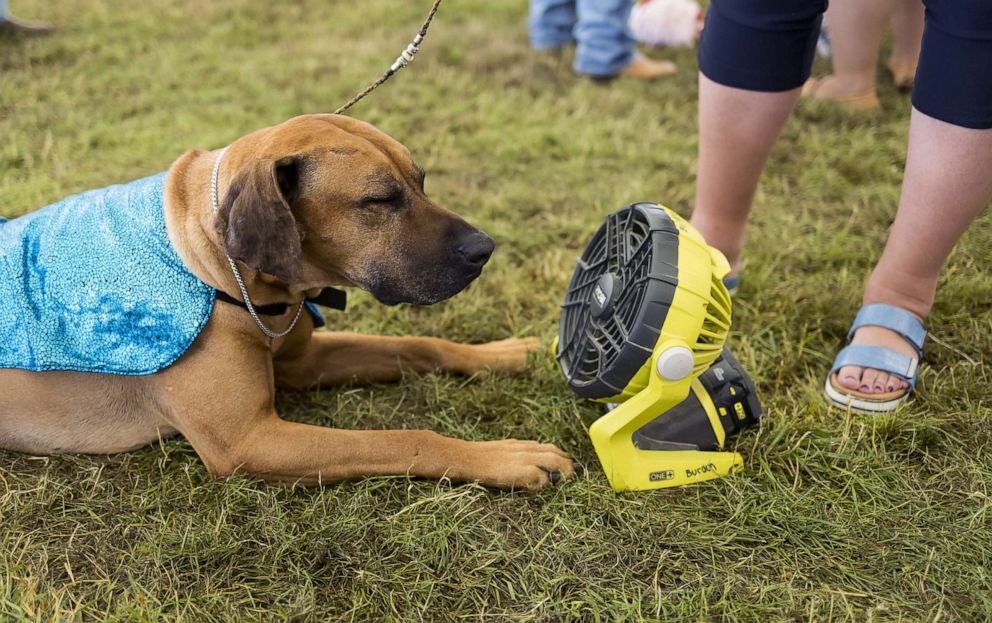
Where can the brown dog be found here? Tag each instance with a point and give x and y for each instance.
(317, 201)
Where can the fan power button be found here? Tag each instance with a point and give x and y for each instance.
(675, 363)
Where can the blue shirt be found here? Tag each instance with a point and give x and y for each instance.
(92, 284)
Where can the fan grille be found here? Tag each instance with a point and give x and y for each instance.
(638, 248)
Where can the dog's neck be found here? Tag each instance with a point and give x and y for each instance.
(190, 220)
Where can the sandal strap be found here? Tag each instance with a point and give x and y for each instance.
(732, 283)
(878, 358)
(892, 318)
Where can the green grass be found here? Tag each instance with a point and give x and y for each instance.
(835, 518)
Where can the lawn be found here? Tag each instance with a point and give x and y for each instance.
(836, 517)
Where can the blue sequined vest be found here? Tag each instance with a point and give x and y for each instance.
(92, 284)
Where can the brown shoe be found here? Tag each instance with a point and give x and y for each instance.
(10, 25)
(644, 68)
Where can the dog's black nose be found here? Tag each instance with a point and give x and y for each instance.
(476, 248)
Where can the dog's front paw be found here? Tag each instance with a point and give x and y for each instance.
(515, 464)
(507, 356)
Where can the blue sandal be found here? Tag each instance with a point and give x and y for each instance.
(732, 283)
(879, 358)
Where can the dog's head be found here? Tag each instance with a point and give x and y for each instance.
(325, 199)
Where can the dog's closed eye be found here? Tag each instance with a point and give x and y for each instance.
(382, 189)
(388, 197)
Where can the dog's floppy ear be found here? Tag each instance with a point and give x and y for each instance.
(257, 224)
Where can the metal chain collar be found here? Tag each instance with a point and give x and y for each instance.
(234, 267)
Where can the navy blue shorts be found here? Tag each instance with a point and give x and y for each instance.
(768, 45)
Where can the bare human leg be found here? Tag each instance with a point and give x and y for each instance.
(946, 184)
(907, 34)
(737, 130)
(856, 32)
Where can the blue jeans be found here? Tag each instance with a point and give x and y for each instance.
(3, 9)
(598, 27)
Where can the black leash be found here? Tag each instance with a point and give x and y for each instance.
(401, 61)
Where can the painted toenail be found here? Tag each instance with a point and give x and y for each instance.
(891, 388)
(878, 388)
(865, 388)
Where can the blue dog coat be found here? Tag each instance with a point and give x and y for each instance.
(92, 284)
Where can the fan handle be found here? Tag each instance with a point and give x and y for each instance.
(630, 468)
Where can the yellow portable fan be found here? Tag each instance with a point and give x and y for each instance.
(643, 328)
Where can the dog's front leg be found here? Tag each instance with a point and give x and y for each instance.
(279, 451)
(221, 398)
(327, 358)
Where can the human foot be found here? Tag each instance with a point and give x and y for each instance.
(732, 280)
(878, 369)
(855, 94)
(869, 380)
(903, 72)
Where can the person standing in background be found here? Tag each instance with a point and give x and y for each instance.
(856, 30)
(11, 25)
(598, 28)
(754, 57)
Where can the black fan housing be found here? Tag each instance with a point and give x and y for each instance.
(618, 299)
